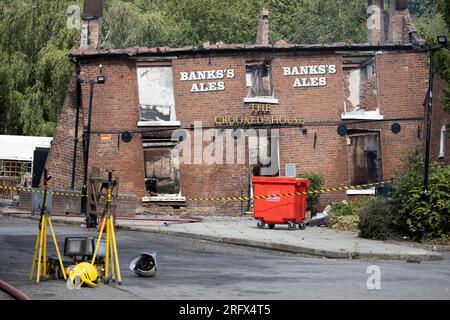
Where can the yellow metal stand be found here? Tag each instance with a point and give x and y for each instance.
(40, 248)
(111, 255)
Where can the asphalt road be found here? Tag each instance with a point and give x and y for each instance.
(193, 269)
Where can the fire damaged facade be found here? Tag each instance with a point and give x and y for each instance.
(350, 112)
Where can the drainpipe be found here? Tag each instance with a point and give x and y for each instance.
(77, 120)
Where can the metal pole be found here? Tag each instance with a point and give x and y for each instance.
(86, 138)
(77, 121)
(429, 121)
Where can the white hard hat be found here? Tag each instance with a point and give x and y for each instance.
(145, 265)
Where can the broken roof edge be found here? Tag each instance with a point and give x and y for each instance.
(282, 46)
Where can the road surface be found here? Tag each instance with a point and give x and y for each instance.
(200, 270)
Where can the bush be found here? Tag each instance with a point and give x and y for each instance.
(430, 213)
(345, 208)
(317, 181)
(377, 220)
(346, 222)
(344, 215)
(418, 213)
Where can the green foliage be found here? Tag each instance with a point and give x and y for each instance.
(377, 220)
(178, 23)
(416, 211)
(316, 183)
(344, 215)
(345, 208)
(431, 212)
(422, 8)
(344, 223)
(316, 21)
(192, 22)
(35, 69)
(430, 24)
(444, 8)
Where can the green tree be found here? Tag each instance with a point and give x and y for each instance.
(444, 55)
(316, 21)
(35, 69)
(436, 21)
(422, 8)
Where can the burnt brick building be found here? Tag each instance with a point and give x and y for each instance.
(335, 108)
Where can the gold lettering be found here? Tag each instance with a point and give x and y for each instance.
(216, 121)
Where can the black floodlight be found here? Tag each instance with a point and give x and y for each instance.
(442, 40)
(101, 79)
(83, 247)
(74, 246)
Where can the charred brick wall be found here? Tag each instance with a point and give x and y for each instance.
(60, 157)
(402, 85)
(115, 110)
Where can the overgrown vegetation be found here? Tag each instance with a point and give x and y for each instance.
(377, 220)
(316, 183)
(34, 69)
(410, 212)
(344, 215)
(417, 212)
(192, 22)
(431, 21)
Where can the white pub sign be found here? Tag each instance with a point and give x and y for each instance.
(313, 76)
(203, 79)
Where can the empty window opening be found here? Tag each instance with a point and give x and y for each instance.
(361, 88)
(162, 173)
(265, 154)
(258, 79)
(156, 96)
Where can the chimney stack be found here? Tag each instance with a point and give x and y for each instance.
(397, 21)
(262, 36)
(91, 24)
(393, 25)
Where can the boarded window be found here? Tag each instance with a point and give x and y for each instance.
(156, 98)
(258, 79)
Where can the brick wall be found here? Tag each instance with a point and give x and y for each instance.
(402, 85)
(115, 110)
(60, 204)
(60, 157)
